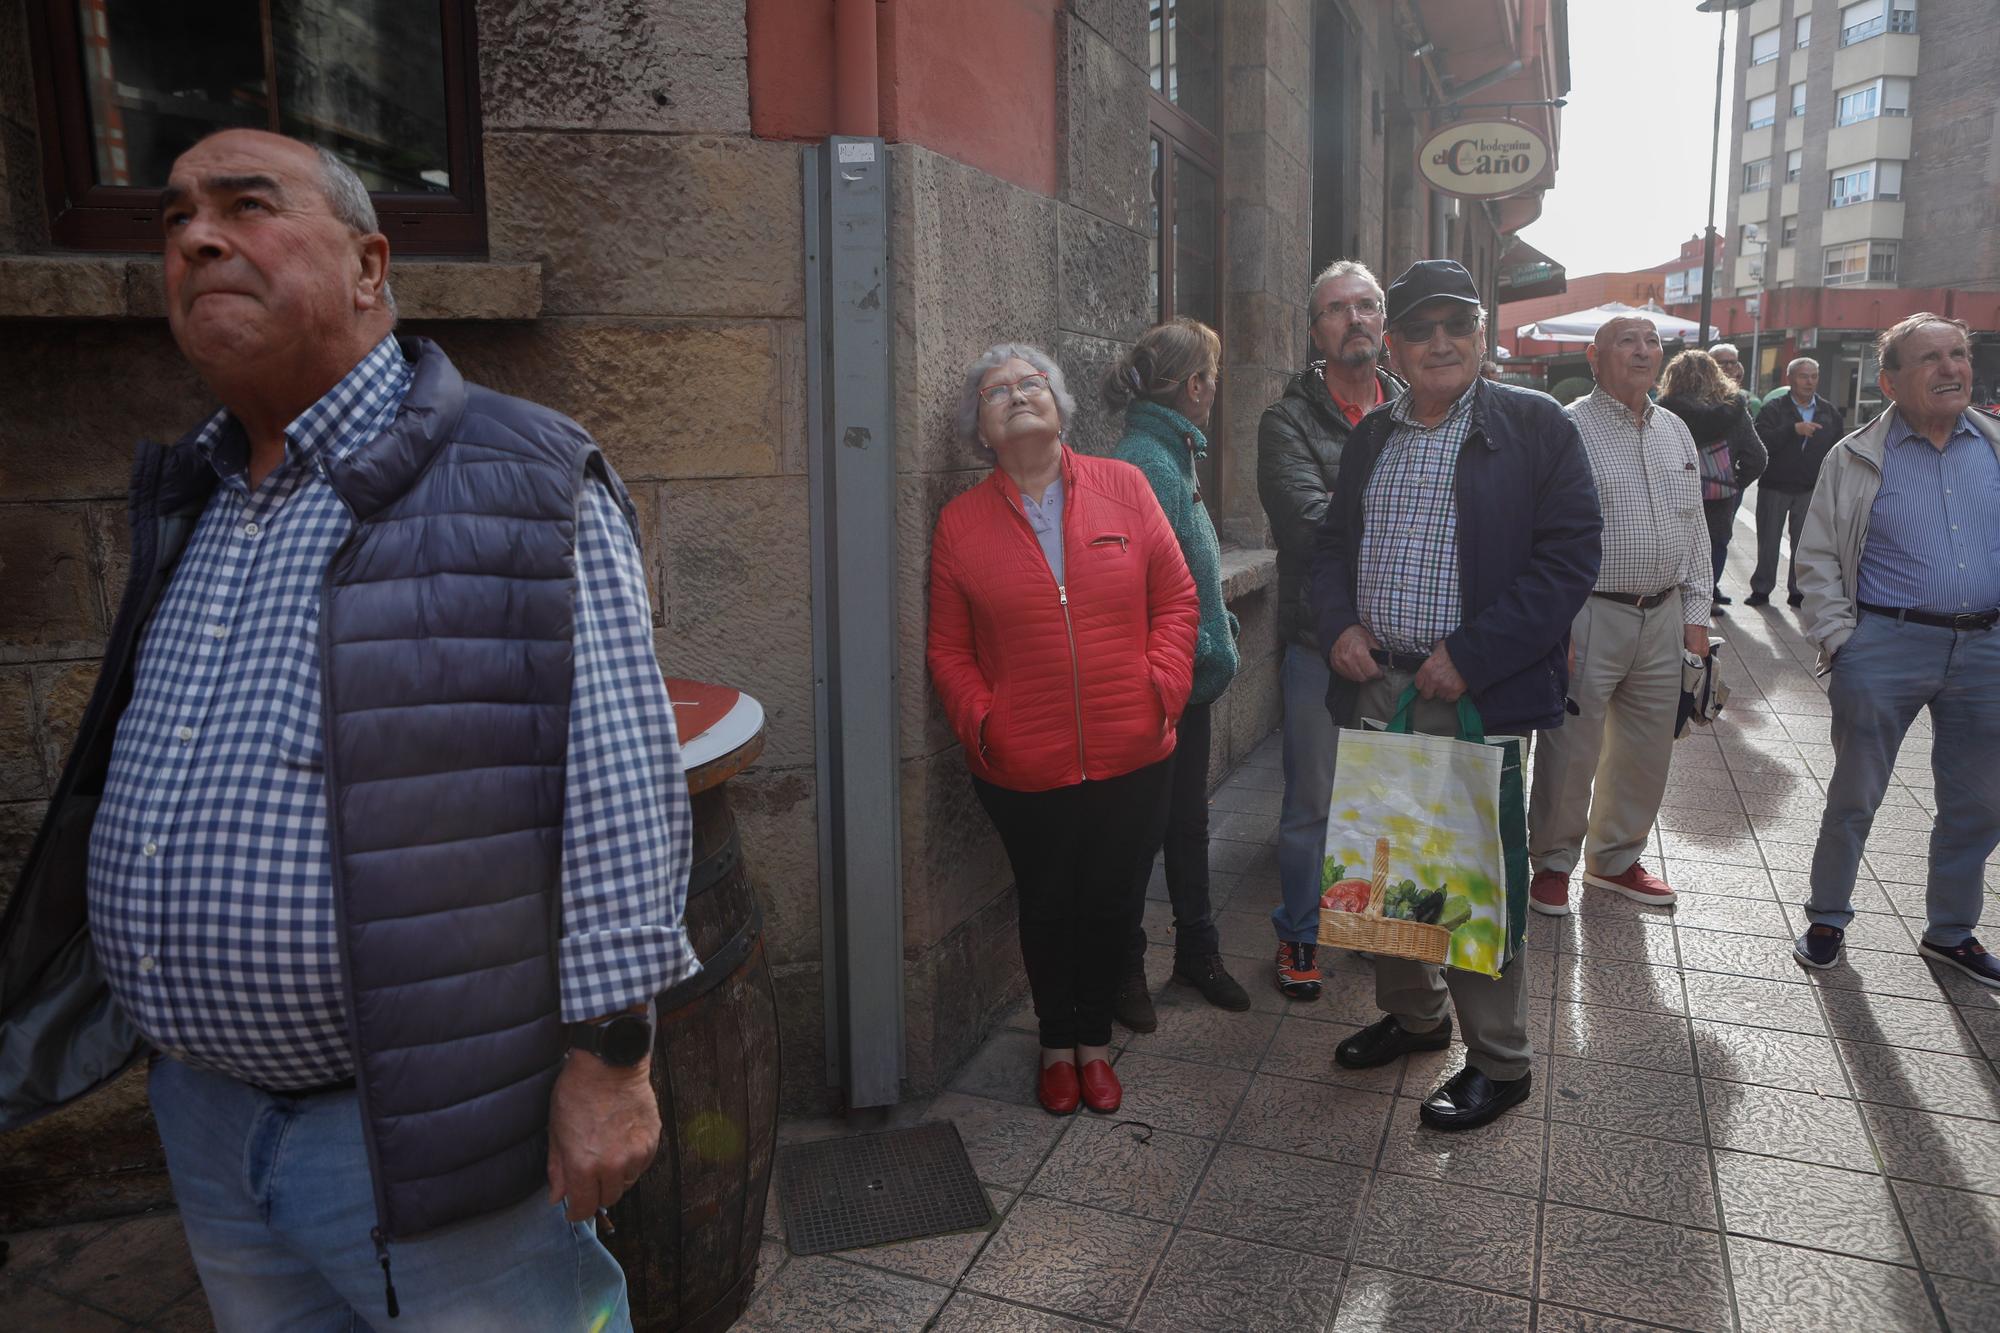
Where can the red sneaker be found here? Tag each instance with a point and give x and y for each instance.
(1057, 1090)
(1637, 883)
(1101, 1090)
(1548, 892)
(1298, 970)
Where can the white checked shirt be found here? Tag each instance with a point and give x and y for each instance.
(1407, 583)
(1649, 486)
(211, 878)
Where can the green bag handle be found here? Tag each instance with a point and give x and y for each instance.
(1471, 727)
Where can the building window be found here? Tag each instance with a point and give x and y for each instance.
(1799, 99)
(1788, 231)
(387, 85)
(1757, 175)
(1763, 110)
(1878, 97)
(1802, 37)
(1677, 287)
(1186, 156)
(1860, 261)
(1764, 47)
(1795, 162)
(1870, 180)
(1872, 18)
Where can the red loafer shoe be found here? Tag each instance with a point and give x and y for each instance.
(1637, 883)
(1057, 1090)
(1102, 1092)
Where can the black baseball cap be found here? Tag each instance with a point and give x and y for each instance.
(1429, 280)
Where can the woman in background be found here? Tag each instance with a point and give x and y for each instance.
(1732, 456)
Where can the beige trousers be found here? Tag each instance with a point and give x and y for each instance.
(1601, 774)
(1492, 1013)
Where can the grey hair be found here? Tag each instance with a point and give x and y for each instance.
(965, 417)
(1889, 344)
(347, 198)
(1342, 268)
(1792, 366)
(1723, 347)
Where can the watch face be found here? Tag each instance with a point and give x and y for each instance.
(627, 1040)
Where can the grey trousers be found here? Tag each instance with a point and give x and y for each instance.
(1779, 514)
(1601, 774)
(1492, 1013)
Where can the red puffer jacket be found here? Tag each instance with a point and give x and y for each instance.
(1047, 684)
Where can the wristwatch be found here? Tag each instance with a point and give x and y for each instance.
(622, 1040)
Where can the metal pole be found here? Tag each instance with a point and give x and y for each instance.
(1757, 327)
(1714, 165)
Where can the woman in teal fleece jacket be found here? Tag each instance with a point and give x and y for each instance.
(1166, 387)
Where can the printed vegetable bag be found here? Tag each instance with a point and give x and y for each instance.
(1427, 844)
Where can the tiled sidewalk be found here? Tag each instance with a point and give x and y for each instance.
(1717, 1141)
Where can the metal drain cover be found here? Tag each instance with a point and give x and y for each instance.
(838, 1194)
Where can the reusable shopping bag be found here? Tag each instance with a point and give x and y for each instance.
(1426, 851)
(1718, 472)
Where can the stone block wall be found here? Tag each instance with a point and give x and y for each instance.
(645, 277)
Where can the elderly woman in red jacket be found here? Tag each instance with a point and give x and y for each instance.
(1062, 630)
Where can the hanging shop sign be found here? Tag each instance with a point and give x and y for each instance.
(1483, 159)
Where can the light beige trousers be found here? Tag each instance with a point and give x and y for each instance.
(1599, 776)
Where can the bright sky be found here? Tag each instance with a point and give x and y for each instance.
(1632, 176)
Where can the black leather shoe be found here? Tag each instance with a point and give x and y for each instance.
(1796, 599)
(1133, 1004)
(1383, 1041)
(1469, 1099)
(1757, 599)
(1721, 598)
(1208, 975)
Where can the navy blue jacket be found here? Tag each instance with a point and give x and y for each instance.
(1528, 527)
(445, 660)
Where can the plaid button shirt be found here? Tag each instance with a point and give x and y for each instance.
(1648, 478)
(211, 878)
(1408, 578)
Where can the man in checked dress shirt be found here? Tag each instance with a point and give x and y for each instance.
(1459, 542)
(1601, 777)
(378, 810)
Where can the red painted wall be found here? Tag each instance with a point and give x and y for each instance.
(974, 80)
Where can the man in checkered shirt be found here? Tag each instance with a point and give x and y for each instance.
(1601, 777)
(387, 831)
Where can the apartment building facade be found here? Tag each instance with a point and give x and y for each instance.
(1865, 166)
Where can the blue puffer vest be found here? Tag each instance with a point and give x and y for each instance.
(445, 658)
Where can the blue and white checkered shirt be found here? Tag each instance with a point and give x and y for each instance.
(211, 877)
(1407, 582)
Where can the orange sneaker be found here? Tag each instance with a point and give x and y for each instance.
(1637, 883)
(1298, 970)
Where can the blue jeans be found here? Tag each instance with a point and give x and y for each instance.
(1310, 742)
(276, 1199)
(1884, 675)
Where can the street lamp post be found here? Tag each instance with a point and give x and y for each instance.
(1754, 235)
(1720, 8)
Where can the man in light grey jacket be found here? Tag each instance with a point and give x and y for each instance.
(1899, 562)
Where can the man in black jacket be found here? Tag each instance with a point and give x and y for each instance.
(1298, 452)
(1798, 428)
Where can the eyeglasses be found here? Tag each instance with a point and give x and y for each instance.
(1031, 386)
(1459, 324)
(1366, 308)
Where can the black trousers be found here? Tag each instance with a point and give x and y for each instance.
(1721, 518)
(1079, 856)
(1186, 846)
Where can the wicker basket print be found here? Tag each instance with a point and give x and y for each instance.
(1371, 931)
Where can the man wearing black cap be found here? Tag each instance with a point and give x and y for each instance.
(1461, 541)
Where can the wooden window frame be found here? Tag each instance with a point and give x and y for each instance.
(84, 215)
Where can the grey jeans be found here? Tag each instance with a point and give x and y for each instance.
(1310, 744)
(1492, 1013)
(1778, 513)
(1885, 674)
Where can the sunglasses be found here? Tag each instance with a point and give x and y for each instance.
(1460, 324)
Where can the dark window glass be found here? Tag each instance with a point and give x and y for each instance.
(386, 85)
(1195, 243)
(1186, 57)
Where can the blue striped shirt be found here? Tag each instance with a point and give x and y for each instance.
(211, 877)
(1934, 532)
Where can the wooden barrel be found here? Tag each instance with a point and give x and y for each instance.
(688, 1233)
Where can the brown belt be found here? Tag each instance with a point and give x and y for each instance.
(1645, 602)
